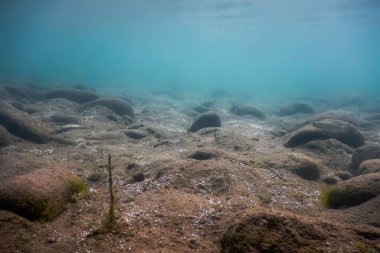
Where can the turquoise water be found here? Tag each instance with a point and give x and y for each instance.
(267, 47)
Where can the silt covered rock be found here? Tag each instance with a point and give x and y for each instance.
(295, 108)
(117, 105)
(208, 119)
(5, 137)
(23, 125)
(325, 129)
(248, 110)
(75, 95)
(369, 166)
(364, 153)
(298, 164)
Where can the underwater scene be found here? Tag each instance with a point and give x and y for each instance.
(190, 126)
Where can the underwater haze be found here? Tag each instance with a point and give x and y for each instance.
(275, 48)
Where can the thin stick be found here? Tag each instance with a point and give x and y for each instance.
(111, 211)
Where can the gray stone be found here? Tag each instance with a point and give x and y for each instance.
(22, 125)
(75, 95)
(325, 129)
(208, 119)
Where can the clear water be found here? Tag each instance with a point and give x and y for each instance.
(267, 47)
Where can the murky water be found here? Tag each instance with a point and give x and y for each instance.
(263, 48)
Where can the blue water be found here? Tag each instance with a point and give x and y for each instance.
(267, 47)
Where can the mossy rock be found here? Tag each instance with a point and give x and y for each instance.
(351, 192)
(41, 194)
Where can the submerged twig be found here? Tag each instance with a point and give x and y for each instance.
(111, 214)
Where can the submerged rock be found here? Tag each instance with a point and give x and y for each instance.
(366, 152)
(369, 166)
(16, 92)
(328, 146)
(17, 105)
(208, 119)
(6, 138)
(117, 105)
(371, 125)
(23, 125)
(204, 154)
(344, 175)
(35, 92)
(41, 194)
(333, 115)
(295, 108)
(325, 129)
(142, 130)
(373, 117)
(266, 231)
(330, 180)
(333, 153)
(64, 118)
(75, 95)
(352, 192)
(299, 164)
(138, 177)
(200, 109)
(248, 110)
(304, 168)
(136, 134)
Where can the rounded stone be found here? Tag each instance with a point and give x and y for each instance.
(208, 119)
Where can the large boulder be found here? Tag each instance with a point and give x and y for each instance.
(248, 110)
(41, 194)
(75, 95)
(352, 192)
(22, 125)
(117, 105)
(295, 108)
(369, 166)
(208, 119)
(325, 129)
(366, 152)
